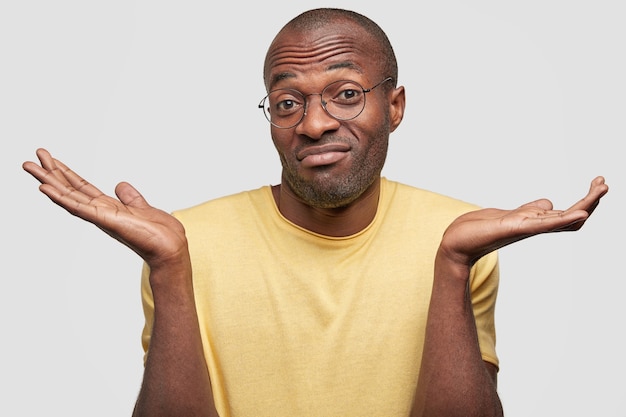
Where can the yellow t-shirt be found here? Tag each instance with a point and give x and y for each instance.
(298, 324)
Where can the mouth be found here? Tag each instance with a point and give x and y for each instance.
(320, 155)
(322, 149)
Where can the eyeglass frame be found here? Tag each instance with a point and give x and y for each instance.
(322, 102)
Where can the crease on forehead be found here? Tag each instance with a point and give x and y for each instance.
(276, 78)
(303, 52)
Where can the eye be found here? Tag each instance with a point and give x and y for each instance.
(348, 95)
(344, 93)
(285, 102)
(286, 105)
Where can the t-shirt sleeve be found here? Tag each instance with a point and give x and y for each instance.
(484, 281)
(147, 302)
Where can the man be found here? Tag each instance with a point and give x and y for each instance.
(336, 292)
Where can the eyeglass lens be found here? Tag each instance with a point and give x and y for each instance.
(343, 100)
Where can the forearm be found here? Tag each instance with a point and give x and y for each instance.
(176, 380)
(453, 379)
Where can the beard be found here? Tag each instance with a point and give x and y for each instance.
(327, 189)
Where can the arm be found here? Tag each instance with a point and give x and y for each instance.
(453, 380)
(176, 380)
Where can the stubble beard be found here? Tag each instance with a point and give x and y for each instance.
(327, 190)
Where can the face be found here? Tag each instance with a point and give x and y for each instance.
(329, 163)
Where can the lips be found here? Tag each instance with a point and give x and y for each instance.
(322, 149)
(316, 156)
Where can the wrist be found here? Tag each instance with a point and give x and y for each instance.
(170, 272)
(451, 267)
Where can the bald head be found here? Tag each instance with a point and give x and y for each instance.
(315, 19)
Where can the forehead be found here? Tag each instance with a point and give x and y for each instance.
(341, 47)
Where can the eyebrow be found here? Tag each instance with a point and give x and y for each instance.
(345, 64)
(339, 65)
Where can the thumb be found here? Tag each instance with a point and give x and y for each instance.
(542, 203)
(130, 196)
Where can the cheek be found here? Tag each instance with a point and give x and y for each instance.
(280, 140)
(377, 129)
(378, 134)
(375, 117)
(282, 143)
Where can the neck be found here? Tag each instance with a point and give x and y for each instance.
(336, 222)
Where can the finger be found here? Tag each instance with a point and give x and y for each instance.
(62, 185)
(50, 182)
(56, 174)
(539, 217)
(562, 220)
(45, 159)
(74, 202)
(542, 204)
(575, 217)
(130, 196)
(597, 190)
(78, 182)
(48, 172)
(34, 170)
(48, 163)
(56, 180)
(554, 221)
(40, 172)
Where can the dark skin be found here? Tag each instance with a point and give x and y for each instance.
(342, 151)
(176, 380)
(450, 362)
(454, 380)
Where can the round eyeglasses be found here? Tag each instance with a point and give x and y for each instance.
(344, 100)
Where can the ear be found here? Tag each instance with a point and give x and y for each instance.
(397, 102)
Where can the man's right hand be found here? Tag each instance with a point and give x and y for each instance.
(153, 234)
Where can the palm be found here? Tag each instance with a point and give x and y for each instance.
(479, 232)
(152, 233)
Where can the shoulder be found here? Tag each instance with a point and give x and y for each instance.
(399, 196)
(223, 208)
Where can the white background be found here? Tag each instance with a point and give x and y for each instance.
(507, 102)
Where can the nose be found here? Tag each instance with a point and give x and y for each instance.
(316, 121)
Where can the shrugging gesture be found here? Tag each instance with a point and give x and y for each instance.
(330, 323)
